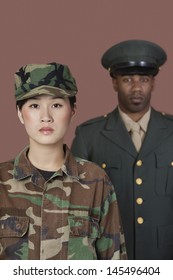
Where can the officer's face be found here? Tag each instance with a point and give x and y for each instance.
(134, 92)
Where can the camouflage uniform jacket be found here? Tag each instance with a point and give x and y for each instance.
(73, 215)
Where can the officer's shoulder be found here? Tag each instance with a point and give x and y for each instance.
(167, 116)
(96, 120)
(90, 165)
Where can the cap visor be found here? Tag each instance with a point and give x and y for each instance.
(47, 90)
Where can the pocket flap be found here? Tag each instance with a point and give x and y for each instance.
(164, 160)
(111, 162)
(13, 226)
(80, 226)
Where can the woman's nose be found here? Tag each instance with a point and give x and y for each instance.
(46, 116)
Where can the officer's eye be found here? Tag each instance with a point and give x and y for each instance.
(127, 80)
(145, 80)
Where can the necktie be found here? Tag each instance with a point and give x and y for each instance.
(135, 135)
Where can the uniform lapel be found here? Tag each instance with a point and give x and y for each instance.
(157, 132)
(116, 132)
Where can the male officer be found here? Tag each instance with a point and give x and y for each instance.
(140, 164)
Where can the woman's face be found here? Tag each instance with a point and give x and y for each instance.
(46, 119)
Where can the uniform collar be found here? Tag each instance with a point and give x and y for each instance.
(143, 122)
(23, 167)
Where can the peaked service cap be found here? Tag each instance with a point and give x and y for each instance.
(134, 57)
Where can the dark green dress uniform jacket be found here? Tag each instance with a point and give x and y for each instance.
(143, 181)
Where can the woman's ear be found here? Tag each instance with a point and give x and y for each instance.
(73, 112)
(20, 115)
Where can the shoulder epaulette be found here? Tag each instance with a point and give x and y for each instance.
(95, 120)
(168, 116)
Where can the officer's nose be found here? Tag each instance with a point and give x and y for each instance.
(136, 85)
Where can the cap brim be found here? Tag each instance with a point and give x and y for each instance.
(47, 90)
(135, 71)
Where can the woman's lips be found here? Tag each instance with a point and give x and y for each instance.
(46, 130)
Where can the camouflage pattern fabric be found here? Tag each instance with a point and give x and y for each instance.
(73, 215)
(52, 78)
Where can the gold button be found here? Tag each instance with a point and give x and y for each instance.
(138, 181)
(172, 163)
(140, 220)
(103, 165)
(139, 163)
(139, 200)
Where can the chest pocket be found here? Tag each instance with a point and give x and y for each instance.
(13, 237)
(13, 226)
(164, 174)
(112, 165)
(83, 233)
(84, 227)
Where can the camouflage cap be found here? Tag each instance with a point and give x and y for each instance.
(52, 79)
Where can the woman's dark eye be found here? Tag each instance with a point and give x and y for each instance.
(57, 105)
(34, 105)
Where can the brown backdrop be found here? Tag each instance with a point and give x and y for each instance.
(77, 32)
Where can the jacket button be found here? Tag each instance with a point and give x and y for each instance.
(18, 226)
(172, 163)
(140, 220)
(138, 181)
(139, 163)
(1, 248)
(139, 200)
(103, 165)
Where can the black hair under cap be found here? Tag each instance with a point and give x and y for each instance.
(134, 57)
